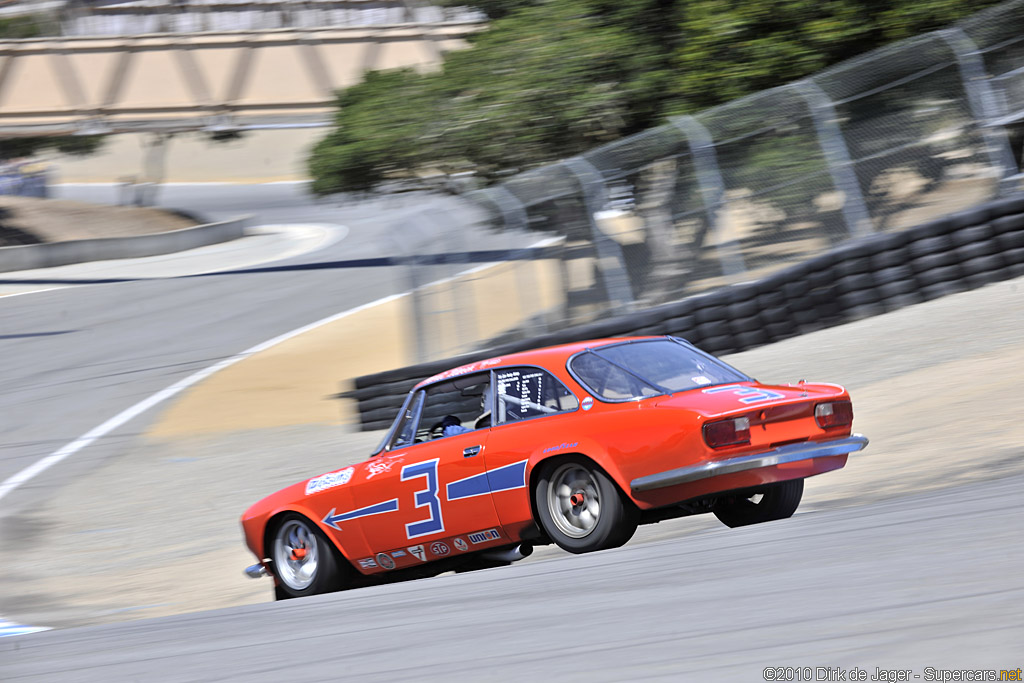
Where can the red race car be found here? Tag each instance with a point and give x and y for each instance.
(574, 445)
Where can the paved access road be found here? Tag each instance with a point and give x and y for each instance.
(931, 580)
(74, 357)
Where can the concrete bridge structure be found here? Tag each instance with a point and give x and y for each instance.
(179, 82)
(276, 85)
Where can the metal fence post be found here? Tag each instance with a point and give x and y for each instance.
(837, 156)
(411, 262)
(712, 190)
(457, 280)
(609, 253)
(512, 210)
(982, 100)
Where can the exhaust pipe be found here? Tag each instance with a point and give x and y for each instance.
(256, 571)
(514, 554)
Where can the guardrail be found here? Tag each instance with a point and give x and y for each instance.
(861, 278)
(50, 254)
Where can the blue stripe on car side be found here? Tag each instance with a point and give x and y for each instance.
(508, 477)
(468, 487)
(502, 479)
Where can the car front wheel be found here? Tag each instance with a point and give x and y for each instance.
(580, 507)
(303, 559)
(765, 504)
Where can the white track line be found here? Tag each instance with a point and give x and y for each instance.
(32, 291)
(124, 416)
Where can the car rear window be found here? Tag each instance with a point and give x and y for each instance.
(633, 370)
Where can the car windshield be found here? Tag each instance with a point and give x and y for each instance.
(632, 370)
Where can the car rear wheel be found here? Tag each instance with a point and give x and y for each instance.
(580, 507)
(303, 559)
(765, 504)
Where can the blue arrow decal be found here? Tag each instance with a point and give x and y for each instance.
(332, 519)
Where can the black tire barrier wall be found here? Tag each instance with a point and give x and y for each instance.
(860, 278)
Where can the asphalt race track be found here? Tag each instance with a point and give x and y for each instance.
(924, 581)
(870, 573)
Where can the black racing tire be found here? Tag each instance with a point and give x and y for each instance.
(923, 264)
(893, 303)
(859, 298)
(896, 288)
(779, 331)
(1011, 240)
(855, 283)
(751, 339)
(710, 314)
(778, 314)
(764, 504)
(863, 311)
(1008, 223)
(854, 266)
(713, 328)
(941, 289)
(719, 345)
(604, 518)
(942, 274)
(939, 244)
(890, 259)
(974, 234)
(982, 264)
(742, 325)
(316, 571)
(977, 250)
(984, 278)
(894, 274)
(743, 309)
(1014, 256)
(770, 300)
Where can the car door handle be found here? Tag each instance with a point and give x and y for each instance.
(471, 451)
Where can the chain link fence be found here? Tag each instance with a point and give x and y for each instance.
(888, 140)
(466, 285)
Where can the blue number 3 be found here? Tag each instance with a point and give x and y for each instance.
(425, 497)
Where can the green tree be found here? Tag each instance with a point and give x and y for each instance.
(555, 78)
(20, 27)
(77, 145)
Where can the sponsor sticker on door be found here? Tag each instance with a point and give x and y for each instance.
(484, 536)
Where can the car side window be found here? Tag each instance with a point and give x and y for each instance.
(455, 406)
(405, 433)
(524, 393)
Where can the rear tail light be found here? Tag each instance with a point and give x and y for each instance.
(727, 432)
(834, 414)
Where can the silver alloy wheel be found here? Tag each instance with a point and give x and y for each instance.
(573, 500)
(295, 554)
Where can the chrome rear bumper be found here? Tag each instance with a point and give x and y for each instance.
(807, 450)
